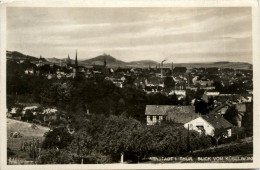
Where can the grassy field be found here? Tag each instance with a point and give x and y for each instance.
(28, 134)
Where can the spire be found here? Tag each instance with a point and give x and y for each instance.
(76, 60)
(40, 61)
(68, 62)
(105, 62)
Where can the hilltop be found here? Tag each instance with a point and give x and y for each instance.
(99, 60)
(113, 62)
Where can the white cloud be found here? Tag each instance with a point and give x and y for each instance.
(130, 34)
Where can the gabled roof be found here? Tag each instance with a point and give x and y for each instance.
(176, 113)
(226, 103)
(181, 114)
(217, 121)
(139, 80)
(154, 80)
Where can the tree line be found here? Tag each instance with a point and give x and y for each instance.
(110, 139)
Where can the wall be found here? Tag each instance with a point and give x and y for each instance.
(209, 130)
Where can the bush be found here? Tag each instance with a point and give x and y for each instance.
(54, 156)
(58, 138)
(98, 158)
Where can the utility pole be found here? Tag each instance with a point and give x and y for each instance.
(188, 139)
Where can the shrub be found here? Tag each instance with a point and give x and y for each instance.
(54, 156)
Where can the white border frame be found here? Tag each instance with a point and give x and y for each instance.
(182, 3)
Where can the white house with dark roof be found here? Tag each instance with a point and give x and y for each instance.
(186, 115)
(208, 123)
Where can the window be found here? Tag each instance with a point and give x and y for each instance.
(154, 118)
(200, 127)
(164, 117)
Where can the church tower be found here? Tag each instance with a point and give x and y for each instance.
(105, 62)
(75, 69)
(76, 60)
(172, 68)
(68, 62)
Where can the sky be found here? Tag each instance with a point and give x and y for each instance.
(179, 35)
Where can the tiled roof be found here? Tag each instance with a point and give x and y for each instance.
(154, 80)
(220, 107)
(241, 107)
(217, 121)
(139, 80)
(176, 113)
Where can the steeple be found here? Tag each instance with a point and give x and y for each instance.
(68, 62)
(105, 62)
(172, 68)
(76, 60)
(40, 61)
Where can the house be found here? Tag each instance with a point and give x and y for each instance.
(241, 108)
(208, 88)
(118, 82)
(29, 71)
(31, 108)
(178, 114)
(178, 92)
(154, 81)
(139, 81)
(192, 88)
(221, 109)
(49, 111)
(245, 99)
(153, 89)
(49, 76)
(207, 124)
(202, 82)
(212, 93)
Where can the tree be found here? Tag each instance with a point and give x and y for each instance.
(174, 99)
(169, 82)
(54, 156)
(116, 138)
(58, 138)
(220, 133)
(248, 119)
(210, 101)
(170, 140)
(28, 115)
(142, 140)
(231, 115)
(201, 107)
